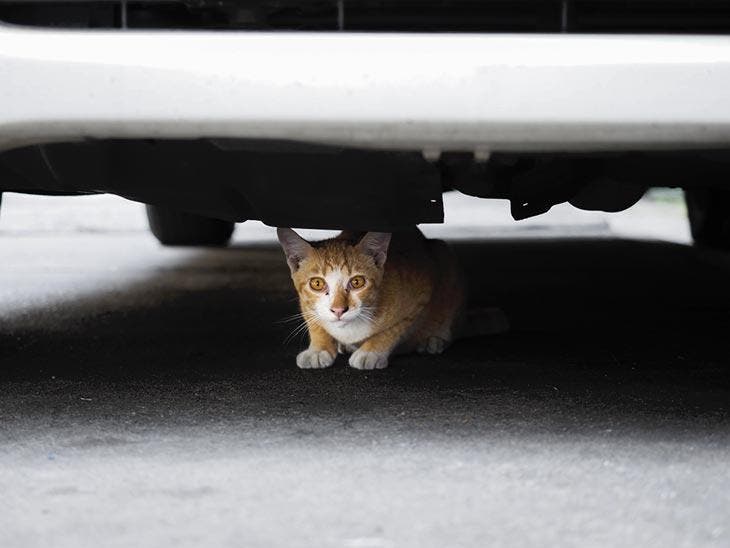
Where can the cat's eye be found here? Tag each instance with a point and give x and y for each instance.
(318, 284)
(357, 282)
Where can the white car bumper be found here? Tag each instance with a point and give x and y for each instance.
(440, 92)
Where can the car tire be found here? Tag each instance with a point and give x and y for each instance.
(709, 217)
(177, 228)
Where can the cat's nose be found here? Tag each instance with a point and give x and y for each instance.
(338, 311)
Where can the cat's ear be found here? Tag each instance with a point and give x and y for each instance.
(376, 245)
(295, 247)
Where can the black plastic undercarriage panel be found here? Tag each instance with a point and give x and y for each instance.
(312, 186)
(300, 186)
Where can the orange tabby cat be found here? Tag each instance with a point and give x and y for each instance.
(374, 295)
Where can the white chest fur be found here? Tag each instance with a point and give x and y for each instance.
(352, 332)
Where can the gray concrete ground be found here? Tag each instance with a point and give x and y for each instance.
(147, 397)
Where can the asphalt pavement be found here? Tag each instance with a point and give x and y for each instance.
(149, 396)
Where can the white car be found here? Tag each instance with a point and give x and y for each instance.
(360, 113)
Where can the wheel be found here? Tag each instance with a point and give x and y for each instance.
(172, 227)
(709, 216)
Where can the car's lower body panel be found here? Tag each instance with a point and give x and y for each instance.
(405, 92)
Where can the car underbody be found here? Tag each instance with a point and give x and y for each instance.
(359, 114)
(309, 186)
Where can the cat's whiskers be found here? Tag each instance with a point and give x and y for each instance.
(293, 318)
(298, 330)
(367, 314)
(307, 318)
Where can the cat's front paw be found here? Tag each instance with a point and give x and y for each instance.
(362, 359)
(432, 345)
(314, 359)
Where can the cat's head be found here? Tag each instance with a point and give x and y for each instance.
(337, 280)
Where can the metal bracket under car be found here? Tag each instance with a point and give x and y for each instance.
(535, 183)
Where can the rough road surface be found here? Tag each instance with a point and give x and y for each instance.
(147, 397)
